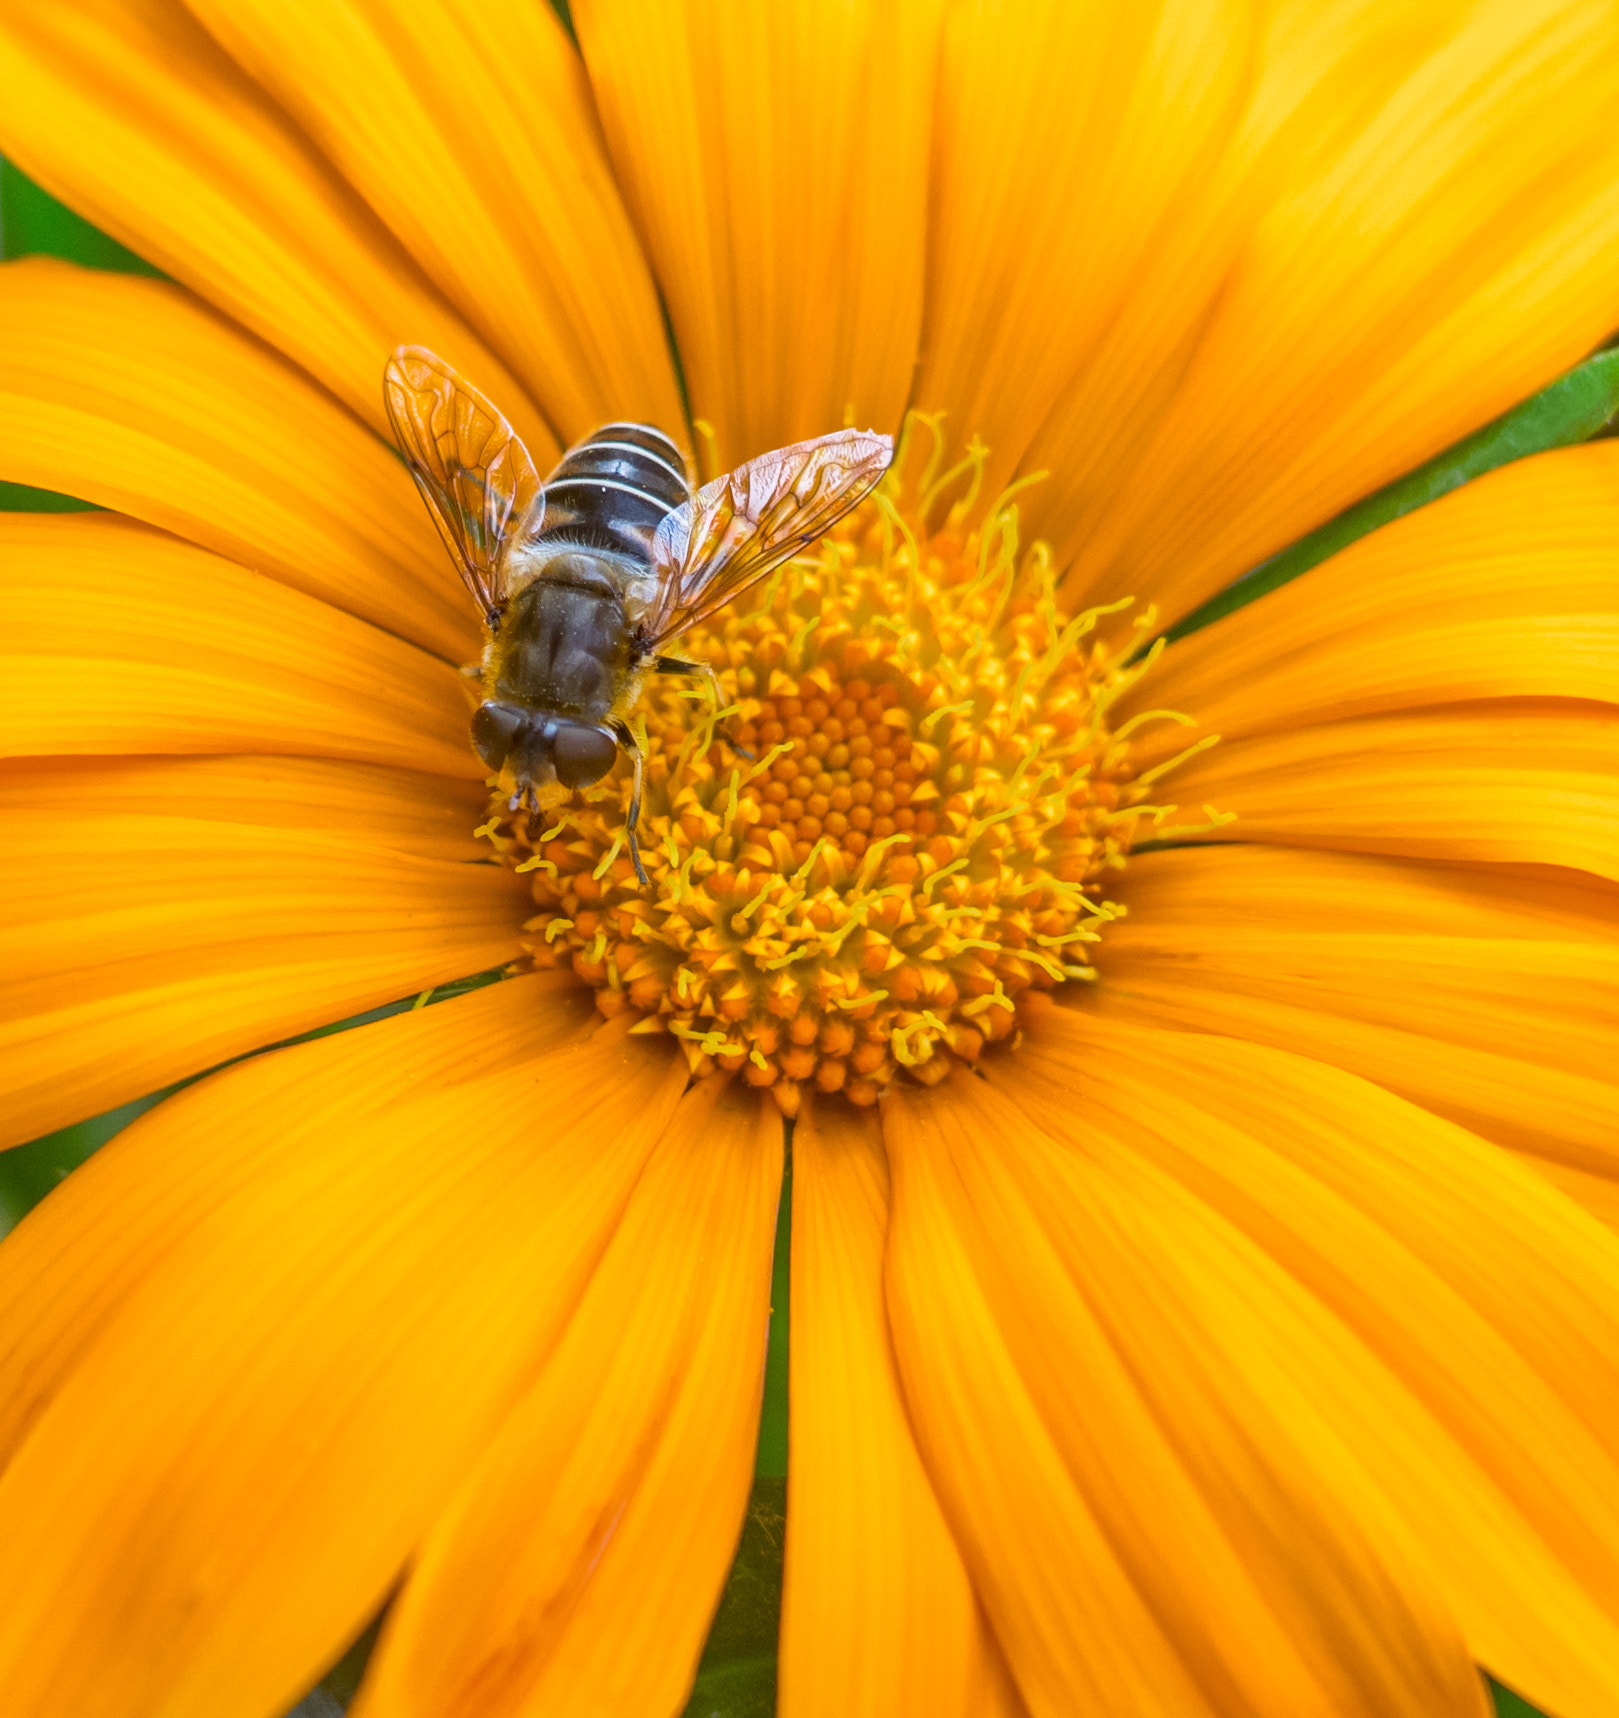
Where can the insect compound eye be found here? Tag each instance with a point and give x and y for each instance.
(495, 728)
(582, 755)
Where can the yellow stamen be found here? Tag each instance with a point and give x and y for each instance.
(921, 837)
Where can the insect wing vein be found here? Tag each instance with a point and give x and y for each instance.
(472, 470)
(743, 526)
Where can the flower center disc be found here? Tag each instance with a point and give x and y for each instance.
(921, 835)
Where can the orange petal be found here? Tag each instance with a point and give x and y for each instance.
(1488, 998)
(1147, 1533)
(1075, 142)
(878, 1616)
(78, 1256)
(775, 159)
(582, 1560)
(1431, 232)
(162, 915)
(381, 810)
(129, 393)
(119, 638)
(470, 131)
(1438, 1322)
(1599, 1194)
(131, 114)
(1505, 588)
(1520, 780)
(238, 1468)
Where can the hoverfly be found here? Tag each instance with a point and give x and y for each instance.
(584, 579)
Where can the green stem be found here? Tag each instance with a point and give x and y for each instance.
(1572, 409)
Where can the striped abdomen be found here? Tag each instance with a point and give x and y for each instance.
(613, 491)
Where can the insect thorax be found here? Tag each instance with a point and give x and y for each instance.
(564, 642)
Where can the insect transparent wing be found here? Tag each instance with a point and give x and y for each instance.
(742, 526)
(474, 474)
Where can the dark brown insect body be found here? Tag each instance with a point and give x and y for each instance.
(565, 649)
(583, 579)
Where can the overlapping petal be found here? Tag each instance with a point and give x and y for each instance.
(132, 394)
(470, 130)
(1423, 1313)
(161, 915)
(579, 1567)
(79, 1256)
(1077, 232)
(1509, 587)
(133, 115)
(234, 1473)
(1148, 1531)
(1484, 996)
(878, 1614)
(1225, 1381)
(1427, 220)
(775, 159)
(121, 638)
(1520, 781)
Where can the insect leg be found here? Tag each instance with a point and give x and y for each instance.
(626, 738)
(703, 671)
(674, 665)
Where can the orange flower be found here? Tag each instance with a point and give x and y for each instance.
(1204, 1295)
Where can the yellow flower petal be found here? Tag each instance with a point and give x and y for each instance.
(83, 1252)
(1073, 1626)
(1076, 142)
(119, 638)
(236, 1471)
(1452, 1352)
(131, 114)
(1486, 998)
(775, 159)
(470, 130)
(587, 1549)
(1522, 780)
(1599, 1194)
(129, 393)
(1242, 1385)
(878, 1616)
(1431, 206)
(1506, 588)
(1147, 1533)
(387, 810)
(161, 915)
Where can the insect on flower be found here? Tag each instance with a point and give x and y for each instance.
(584, 580)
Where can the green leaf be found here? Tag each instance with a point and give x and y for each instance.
(1510, 1705)
(33, 223)
(565, 12)
(745, 1688)
(24, 498)
(1572, 409)
(342, 1682)
(771, 1461)
(29, 1172)
(736, 1677)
